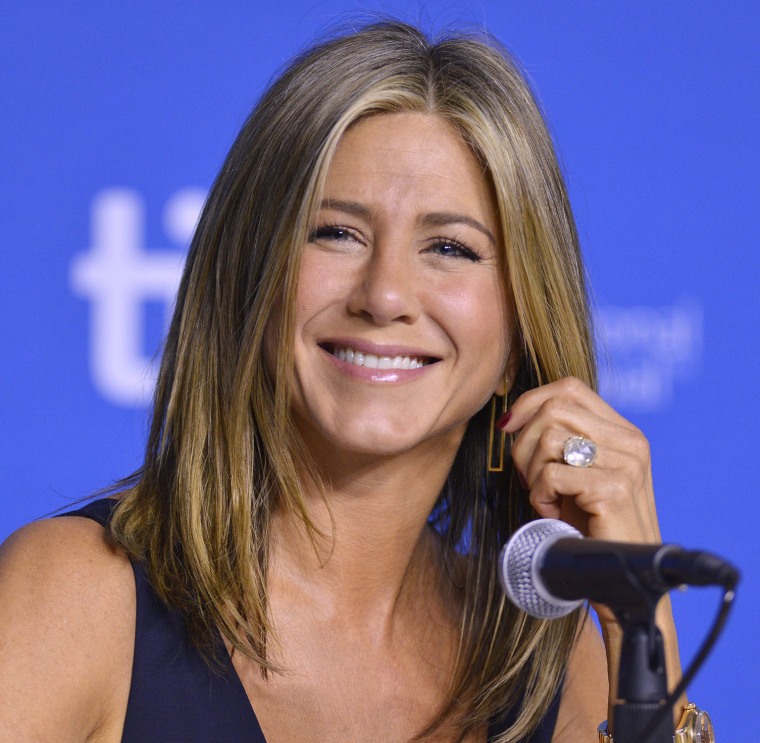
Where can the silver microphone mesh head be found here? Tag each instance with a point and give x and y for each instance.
(519, 566)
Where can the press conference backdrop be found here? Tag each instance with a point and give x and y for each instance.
(116, 116)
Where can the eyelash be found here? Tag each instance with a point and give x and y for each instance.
(464, 253)
(330, 232)
(336, 232)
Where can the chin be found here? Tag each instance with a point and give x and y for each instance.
(387, 443)
(380, 446)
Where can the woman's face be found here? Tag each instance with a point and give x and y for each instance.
(402, 330)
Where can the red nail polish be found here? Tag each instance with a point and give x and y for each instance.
(502, 422)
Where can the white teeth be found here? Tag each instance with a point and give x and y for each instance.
(377, 362)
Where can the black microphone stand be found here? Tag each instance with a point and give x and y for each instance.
(642, 681)
(627, 582)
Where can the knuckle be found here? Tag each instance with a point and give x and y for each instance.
(636, 442)
(551, 472)
(547, 439)
(538, 482)
(573, 385)
(604, 509)
(618, 488)
(631, 469)
(518, 452)
(634, 464)
(541, 500)
(553, 407)
(641, 445)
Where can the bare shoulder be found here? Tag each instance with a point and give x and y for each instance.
(585, 692)
(67, 617)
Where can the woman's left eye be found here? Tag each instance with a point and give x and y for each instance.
(454, 249)
(330, 232)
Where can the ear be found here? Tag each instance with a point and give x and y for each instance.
(510, 370)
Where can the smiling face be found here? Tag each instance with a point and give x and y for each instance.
(401, 323)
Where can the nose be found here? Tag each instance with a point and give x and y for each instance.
(386, 290)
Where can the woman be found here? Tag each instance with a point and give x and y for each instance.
(387, 257)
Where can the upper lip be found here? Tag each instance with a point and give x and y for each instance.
(377, 349)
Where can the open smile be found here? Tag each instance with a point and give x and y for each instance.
(378, 360)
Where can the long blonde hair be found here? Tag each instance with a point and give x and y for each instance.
(222, 453)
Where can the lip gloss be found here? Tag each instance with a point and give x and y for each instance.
(371, 374)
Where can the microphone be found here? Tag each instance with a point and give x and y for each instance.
(548, 569)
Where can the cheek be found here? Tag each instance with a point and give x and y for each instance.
(479, 322)
(319, 285)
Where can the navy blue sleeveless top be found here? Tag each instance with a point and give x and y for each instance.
(176, 697)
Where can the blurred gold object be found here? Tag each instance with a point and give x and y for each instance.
(694, 727)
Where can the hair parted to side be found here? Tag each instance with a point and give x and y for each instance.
(222, 453)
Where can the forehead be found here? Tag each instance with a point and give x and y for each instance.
(389, 155)
(425, 136)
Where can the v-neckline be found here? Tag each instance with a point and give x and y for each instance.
(234, 677)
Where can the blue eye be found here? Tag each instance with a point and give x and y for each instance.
(454, 249)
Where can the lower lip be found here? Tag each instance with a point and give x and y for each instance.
(368, 374)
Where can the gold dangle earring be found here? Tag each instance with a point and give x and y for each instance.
(496, 458)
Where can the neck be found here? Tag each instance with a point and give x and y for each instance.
(371, 542)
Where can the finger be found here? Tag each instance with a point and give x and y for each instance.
(538, 446)
(558, 418)
(592, 495)
(543, 437)
(576, 393)
(612, 506)
(562, 508)
(555, 495)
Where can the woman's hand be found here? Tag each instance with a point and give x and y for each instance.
(613, 498)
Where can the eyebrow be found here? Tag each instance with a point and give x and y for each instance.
(441, 219)
(432, 219)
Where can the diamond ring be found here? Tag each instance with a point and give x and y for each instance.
(579, 452)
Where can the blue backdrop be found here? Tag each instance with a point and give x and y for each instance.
(116, 116)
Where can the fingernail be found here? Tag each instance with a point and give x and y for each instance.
(501, 424)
